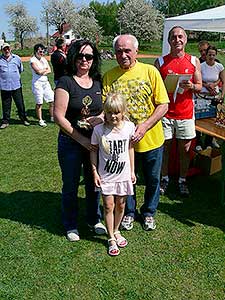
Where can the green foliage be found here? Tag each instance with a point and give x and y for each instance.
(106, 15)
(24, 52)
(161, 5)
(170, 7)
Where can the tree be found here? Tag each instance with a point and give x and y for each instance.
(161, 5)
(3, 36)
(106, 15)
(171, 8)
(139, 18)
(20, 21)
(57, 12)
(85, 25)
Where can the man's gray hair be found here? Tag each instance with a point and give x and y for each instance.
(133, 38)
(172, 29)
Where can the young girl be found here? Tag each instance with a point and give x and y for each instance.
(115, 172)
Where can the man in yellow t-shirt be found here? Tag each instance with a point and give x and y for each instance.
(147, 102)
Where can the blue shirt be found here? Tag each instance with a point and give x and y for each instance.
(10, 72)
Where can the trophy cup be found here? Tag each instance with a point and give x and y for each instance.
(85, 112)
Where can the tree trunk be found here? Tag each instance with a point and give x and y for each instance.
(21, 40)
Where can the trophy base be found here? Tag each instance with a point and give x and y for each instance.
(83, 124)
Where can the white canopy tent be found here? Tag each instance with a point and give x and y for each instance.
(211, 20)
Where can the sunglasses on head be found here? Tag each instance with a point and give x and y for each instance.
(87, 56)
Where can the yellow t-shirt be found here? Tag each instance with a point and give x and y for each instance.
(144, 89)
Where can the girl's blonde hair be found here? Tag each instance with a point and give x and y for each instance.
(115, 102)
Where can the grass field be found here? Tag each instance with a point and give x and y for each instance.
(183, 259)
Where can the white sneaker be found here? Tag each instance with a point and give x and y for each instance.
(99, 228)
(52, 119)
(127, 223)
(72, 235)
(149, 223)
(215, 143)
(42, 123)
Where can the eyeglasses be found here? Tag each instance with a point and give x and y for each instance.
(88, 57)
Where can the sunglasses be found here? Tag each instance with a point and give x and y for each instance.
(88, 57)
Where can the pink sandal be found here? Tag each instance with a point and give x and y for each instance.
(113, 249)
(121, 242)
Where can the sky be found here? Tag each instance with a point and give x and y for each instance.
(34, 8)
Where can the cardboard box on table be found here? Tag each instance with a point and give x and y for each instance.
(209, 161)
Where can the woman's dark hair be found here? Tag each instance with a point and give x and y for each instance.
(73, 53)
(211, 47)
(37, 46)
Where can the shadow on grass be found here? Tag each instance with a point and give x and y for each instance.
(32, 113)
(45, 113)
(42, 210)
(36, 209)
(19, 122)
(202, 206)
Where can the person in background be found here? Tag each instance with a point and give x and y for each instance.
(113, 166)
(78, 103)
(212, 74)
(10, 86)
(41, 87)
(202, 47)
(147, 102)
(58, 60)
(179, 120)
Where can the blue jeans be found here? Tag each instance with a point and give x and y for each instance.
(150, 162)
(72, 156)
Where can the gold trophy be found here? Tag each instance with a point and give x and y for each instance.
(85, 112)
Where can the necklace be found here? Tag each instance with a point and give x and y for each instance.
(83, 81)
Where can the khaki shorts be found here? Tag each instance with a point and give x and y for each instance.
(183, 129)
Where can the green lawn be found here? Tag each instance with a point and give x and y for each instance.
(183, 259)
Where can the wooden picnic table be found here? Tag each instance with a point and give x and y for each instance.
(209, 127)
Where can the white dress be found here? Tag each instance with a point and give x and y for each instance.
(114, 161)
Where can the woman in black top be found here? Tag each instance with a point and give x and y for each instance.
(78, 104)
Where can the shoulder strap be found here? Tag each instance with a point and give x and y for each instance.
(193, 60)
(161, 61)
